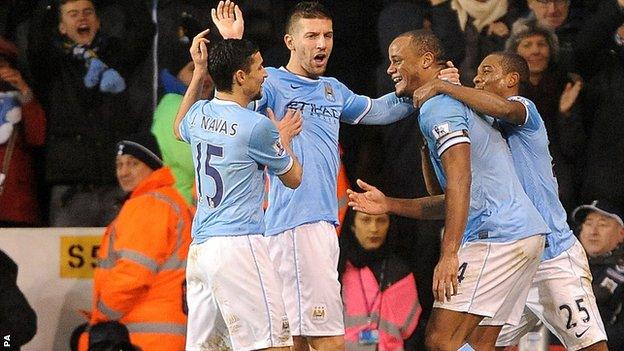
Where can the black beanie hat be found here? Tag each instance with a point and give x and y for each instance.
(144, 147)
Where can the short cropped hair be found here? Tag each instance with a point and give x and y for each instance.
(512, 62)
(228, 56)
(424, 41)
(306, 9)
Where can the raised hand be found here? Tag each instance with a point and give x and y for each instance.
(569, 95)
(199, 52)
(14, 77)
(450, 73)
(371, 201)
(499, 29)
(289, 126)
(229, 20)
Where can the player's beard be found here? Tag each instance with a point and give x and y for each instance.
(258, 96)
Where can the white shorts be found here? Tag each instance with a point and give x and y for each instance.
(561, 296)
(495, 279)
(307, 260)
(234, 296)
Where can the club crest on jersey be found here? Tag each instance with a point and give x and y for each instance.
(278, 147)
(440, 130)
(329, 93)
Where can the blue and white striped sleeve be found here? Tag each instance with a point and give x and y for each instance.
(444, 124)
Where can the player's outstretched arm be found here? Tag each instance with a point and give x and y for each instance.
(479, 100)
(289, 127)
(456, 165)
(229, 20)
(199, 54)
(388, 108)
(373, 201)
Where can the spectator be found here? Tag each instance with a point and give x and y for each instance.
(555, 96)
(80, 75)
(556, 16)
(600, 53)
(602, 235)
(174, 79)
(22, 129)
(17, 319)
(483, 27)
(381, 304)
(140, 278)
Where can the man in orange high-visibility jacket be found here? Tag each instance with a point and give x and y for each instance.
(140, 279)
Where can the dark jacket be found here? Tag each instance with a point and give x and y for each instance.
(85, 124)
(602, 66)
(17, 318)
(608, 286)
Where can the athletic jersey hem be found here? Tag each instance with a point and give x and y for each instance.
(503, 238)
(205, 238)
(561, 251)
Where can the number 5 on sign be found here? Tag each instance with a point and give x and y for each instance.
(78, 256)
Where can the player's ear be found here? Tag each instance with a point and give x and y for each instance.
(427, 60)
(239, 77)
(512, 79)
(288, 40)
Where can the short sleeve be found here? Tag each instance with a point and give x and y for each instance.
(533, 120)
(189, 120)
(444, 123)
(266, 149)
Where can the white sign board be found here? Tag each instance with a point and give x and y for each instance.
(55, 269)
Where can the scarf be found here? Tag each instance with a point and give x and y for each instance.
(482, 13)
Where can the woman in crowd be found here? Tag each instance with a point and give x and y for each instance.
(381, 304)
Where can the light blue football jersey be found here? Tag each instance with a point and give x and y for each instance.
(324, 103)
(499, 211)
(231, 145)
(529, 149)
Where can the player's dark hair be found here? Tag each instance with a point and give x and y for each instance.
(228, 56)
(306, 9)
(424, 41)
(512, 62)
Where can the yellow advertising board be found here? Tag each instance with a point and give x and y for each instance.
(78, 256)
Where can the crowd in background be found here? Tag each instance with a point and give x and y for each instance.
(64, 104)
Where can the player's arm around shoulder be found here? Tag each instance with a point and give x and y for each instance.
(511, 111)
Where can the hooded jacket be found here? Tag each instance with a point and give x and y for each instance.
(140, 278)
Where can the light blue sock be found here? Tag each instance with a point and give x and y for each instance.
(466, 347)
